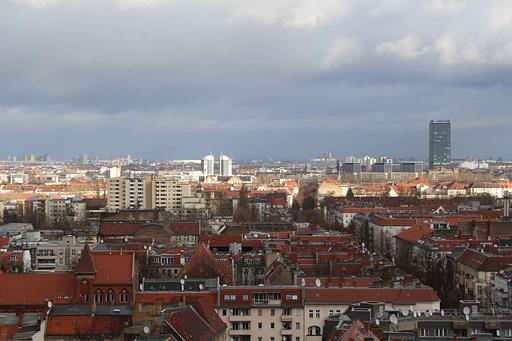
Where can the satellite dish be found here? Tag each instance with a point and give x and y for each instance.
(393, 319)
(182, 281)
(185, 276)
(201, 286)
(318, 283)
(497, 332)
(303, 282)
(414, 314)
(405, 312)
(141, 287)
(467, 317)
(377, 322)
(466, 310)
(146, 330)
(442, 312)
(50, 304)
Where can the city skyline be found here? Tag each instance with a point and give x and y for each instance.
(273, 80)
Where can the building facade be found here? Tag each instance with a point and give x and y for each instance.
(440, 144)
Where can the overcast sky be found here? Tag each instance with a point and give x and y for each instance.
(254, 78)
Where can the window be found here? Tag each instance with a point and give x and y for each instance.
(297, 325)
(272, 325)
(292, 297)
(259, 312)
(260, 338)
(229, 297)
(331, 312)
(98, 297)
(245, 297)
(123, 297)
(224, 312)
(260, 325)
(314, 331)
(287, 311)
(167, 261)
(317, 314)
(297, 338)
(110, 297)
(311, 313)
(272, 312)
(241, 312)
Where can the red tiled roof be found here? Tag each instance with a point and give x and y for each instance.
(203, 265)
(185, 228)
(355, 295)
(484, 261)
(36, 289)
(85, 265)
(113, 268)
(118, 229)
(207, 312)
(173, 296)
(356, 332)
(190, 326)
(415, 232)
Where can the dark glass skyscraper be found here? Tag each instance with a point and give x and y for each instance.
(440, 144)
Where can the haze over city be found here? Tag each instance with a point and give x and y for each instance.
(268, 79)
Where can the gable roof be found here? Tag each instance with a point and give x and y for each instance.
(112, 268)
(202, 264)
(414, 233)
(37, 288)
(190, 326)
(481, 261)
(85, 265)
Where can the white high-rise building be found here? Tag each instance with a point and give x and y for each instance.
(208, 164)
(226, 165)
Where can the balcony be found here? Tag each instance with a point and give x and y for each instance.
(239, 318)
(286, 332)
(240, 332)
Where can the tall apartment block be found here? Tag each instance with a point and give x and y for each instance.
(440, 144)
(226, 165)
(148, 192)
(208, 165)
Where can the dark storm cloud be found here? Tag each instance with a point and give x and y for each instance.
(279, 78)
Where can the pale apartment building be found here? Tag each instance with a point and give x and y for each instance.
(169, 193)
(148, 192)
(262, 313)
(295, 313)
(64, 212)
(130, 193)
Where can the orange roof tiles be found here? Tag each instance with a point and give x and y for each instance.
(114, 268)
(36, 289)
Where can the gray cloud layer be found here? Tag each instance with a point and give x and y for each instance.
(277, 78)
